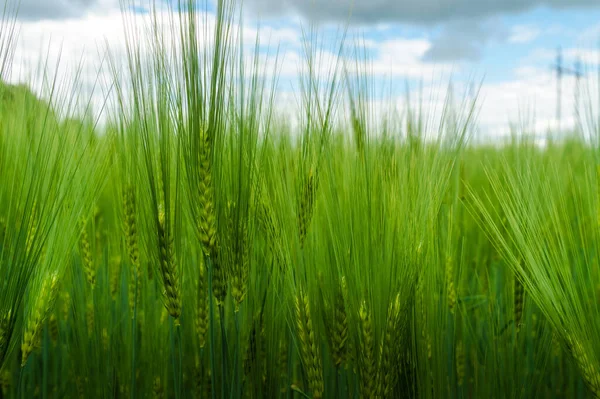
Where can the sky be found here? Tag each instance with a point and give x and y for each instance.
(504, 50)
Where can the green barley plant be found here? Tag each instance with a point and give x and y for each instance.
(200, 245)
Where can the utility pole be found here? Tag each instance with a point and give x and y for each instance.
(578, 73)
(560, 71)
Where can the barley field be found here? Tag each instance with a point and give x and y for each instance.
(198, 246)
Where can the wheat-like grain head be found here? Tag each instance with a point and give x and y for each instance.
(311, 355)
(39, 312)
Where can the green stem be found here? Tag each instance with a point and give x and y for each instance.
(178, 337)
(343, 385)
(173, 361)
(223, 350)
(290, 366)
(336, 381)
(297, 390)
(133, 343)
(45, 363)
(20, 382)
(211, 315)
(236, 374)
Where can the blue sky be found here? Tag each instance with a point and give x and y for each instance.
(508, 45)
(510, 40)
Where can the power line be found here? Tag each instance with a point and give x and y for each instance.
(561, 70)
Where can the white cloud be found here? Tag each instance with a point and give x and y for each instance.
(36, 10)
(400, 59)
(523, 34)
(82, 41)
(465, 39)
(428, 12)
(63, 48)
(531, 100)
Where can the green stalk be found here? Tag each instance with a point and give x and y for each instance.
(224, 352)
(336, 381)
(133, 344)
(56, 362)
(237, 385)
(20, 382)
(176, 372)
(343, 384)
(290, 373)
(298, 391)
(211, 317)
(178, 336)
(45, 363)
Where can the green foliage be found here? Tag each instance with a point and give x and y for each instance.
(197, 248)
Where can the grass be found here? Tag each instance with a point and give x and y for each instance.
(198, 247)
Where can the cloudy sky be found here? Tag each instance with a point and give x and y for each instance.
(509, 46)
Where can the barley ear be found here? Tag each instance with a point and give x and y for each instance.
(86, 257)
(368, 376)
(450, 289)
(519, 295)
(240, 267)
(588, 369)
(202, 311)
(207, 216)
(4, 332)
(157, 388)
(53, 328)
(32, 229)
(36, 318)
(168, 268)
(460, 363)
(340, 326)
(388, 351)
(311, 355)
(131, 241)
(114, 269)
(5, 381)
